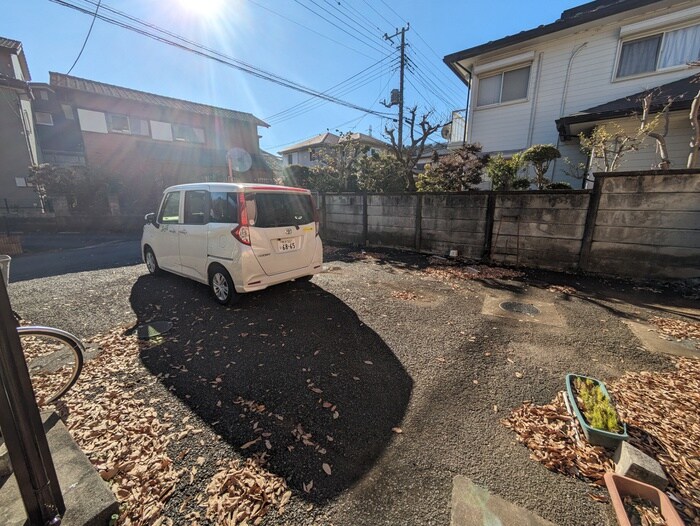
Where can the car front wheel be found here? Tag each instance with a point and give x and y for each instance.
(151, 261)
(221, 285)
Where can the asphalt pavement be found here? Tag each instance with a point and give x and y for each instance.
(57, 254)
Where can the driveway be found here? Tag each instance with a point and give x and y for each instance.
(65, 253)
(395, 378)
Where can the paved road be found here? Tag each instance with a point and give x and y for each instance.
(57, 254)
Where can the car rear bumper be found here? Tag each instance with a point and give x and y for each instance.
(249, 276)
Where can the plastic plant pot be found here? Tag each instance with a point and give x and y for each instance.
(596, 437)
(620, 486)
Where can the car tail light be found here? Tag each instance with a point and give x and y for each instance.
(317, 220)
(242, 231)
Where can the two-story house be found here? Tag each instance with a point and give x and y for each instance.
(18, 144)
(589, 67)
(309, 152)
(145, 141)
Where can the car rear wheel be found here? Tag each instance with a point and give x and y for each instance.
(151, 261)
(221, 286)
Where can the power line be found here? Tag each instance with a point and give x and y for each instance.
(451, 80)
(359, 73)
(378, 13)
(308, 28)
(432, 87)
(348, 89)
(360, 25)
(363, 41)
(203, 51)
(357, 121)
(92, 24)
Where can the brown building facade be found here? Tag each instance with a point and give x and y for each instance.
(142, 141)
(18, 144)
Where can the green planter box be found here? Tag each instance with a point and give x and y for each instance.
(597, 437)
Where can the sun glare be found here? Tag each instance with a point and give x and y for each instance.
(205, 8)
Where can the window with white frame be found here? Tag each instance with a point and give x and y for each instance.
(128, 125)
(505, 86)
(44, 118)
(118, 123)
(186, 133)
(659, 51)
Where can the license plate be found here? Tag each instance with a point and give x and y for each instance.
(287, 245)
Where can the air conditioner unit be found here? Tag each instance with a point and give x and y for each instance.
(446, 131)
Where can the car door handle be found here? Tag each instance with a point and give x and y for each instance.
(183, 231)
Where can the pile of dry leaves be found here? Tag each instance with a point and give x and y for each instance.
(371, 256)
(127, 441)
(446, 273)
(661, 413)
(404, 295)
(678, 329)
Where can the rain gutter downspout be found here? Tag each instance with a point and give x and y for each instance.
(469, 92)
(564, 94)
(534, 100)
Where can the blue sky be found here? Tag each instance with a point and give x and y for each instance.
(286, 37)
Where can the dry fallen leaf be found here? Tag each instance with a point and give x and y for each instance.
(518, 374)
(397, 430)
(326, 468)
(248, 444)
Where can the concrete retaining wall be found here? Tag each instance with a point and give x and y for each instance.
(539, 229)
(647, 226)
(640, 224)
(454, 222)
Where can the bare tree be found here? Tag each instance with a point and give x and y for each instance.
(408, 155)
(660, 138)
(694, 111)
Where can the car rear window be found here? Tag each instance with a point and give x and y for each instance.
(223, 207)
(276, 209)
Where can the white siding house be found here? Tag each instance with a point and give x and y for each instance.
(595, 53)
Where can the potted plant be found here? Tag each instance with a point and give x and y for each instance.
(595, 411)
(623, 488)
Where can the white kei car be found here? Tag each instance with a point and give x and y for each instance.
(234, 237)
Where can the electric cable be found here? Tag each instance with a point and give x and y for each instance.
(92, 24)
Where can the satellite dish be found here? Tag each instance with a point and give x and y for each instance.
(446, 131)
(239, 160)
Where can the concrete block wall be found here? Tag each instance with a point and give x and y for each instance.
(454, 222)
(391, 220)
(539, 229)
(647, 225)
(342, 218)
(636, 224)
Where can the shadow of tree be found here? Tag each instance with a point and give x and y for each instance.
(290, 372)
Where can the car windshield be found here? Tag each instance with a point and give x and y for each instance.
(277, 209)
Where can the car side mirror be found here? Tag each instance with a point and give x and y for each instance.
(151, 218)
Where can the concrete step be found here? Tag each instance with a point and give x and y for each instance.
(89, 501)
(473, 505)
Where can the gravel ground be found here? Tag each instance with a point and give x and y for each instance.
(348, 360)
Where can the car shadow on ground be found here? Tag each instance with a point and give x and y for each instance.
(290, 372)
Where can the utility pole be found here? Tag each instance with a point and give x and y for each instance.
(402, 32)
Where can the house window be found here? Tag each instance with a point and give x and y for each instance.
(504, 87)
(118, 123)
(311, 155)
(21, 182)
(43, 118)
(68, 112)
(139, 127)
(660, 51)
(186, 133)
(289, 159)
(43, 95)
